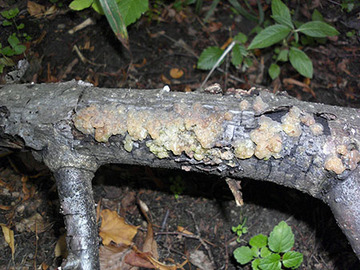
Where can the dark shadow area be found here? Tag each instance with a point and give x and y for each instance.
(316, 232)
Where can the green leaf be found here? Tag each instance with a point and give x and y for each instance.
(318, 29)
(292, 259)
(283, 55)
(131, 10)
(9, 14)
(242, 38)
(271, 262)
(255, 264)
(301, 62)
(248, 62)
(264, 252)
(296, 35)
(274, 71)
(19, 49)
(269, 36)
(2, 68)
(13, 40)
(97, 7)
(258, 241)
(20, 26)
(255, 252)
(243, 255)
(8, 51)
(80, 4)
(209, 57)
(116, 20)
(281, 13)
(281, 238)
(237, 57)
(6, 23)
(317, 16)
(211, 9)
(6, 61)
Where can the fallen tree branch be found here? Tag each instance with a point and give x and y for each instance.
(75, 128)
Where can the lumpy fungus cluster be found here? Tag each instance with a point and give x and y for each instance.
(197, 131)
(193, 131)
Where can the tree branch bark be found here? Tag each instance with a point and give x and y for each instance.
(75, 128)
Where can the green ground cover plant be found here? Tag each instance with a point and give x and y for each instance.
(15, 39)
(271, 253)
(284, 31)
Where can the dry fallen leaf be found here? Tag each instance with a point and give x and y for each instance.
(112, 258)
(183, 230)
(60, 247)
(150, 244)
(39, 11)
(165, 79)
(35, 9)
(113, 228)
(200, 260)
(35, 223)
(176, 73)
(9, 238)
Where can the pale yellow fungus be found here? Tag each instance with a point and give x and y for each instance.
(244, 149)
(333, 163)
(291, 122)
(267, 138)
(317, 129)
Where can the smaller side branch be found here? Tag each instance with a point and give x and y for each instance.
(345, 204)
(78, 208)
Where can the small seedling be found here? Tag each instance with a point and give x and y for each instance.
(15, 45)
(240, 230)
(177, 186)
(271, 253)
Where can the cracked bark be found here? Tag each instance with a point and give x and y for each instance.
(130, 127)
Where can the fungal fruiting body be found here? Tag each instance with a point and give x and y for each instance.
(198, 132)
(267, 138)
(192, 130)
(291, 122)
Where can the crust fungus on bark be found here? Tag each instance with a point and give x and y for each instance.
(75, 128)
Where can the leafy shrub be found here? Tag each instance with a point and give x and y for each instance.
(284, 31)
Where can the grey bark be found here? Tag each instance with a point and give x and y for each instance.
(75, 128)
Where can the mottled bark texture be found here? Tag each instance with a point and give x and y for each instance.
(75, 128)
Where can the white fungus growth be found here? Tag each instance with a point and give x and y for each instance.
(128, 143)
(334, 163)
(307, 119)
(244, 148)
(267, 138)
(291, 122)
(317, 129)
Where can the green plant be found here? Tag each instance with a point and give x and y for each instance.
(349, 5)
(273, 252)
(56, 2)
(286, 31)
(15, 46)
(240, 229)
(177, 186)
(119, 13)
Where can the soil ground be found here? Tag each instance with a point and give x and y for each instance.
(204, 204)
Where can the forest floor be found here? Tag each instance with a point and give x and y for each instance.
(165, 40)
